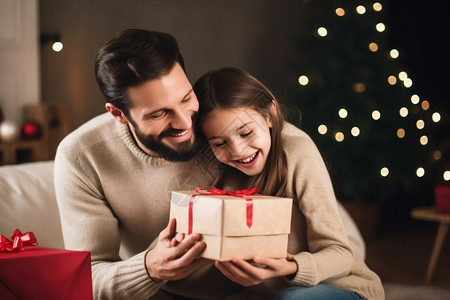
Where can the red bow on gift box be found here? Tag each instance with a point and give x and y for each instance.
(18, 241)
(208, 190)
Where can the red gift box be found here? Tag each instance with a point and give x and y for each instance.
(442, 198)
(45, 273)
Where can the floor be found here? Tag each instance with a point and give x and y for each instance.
(400, 253)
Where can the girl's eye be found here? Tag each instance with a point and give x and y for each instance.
(218, 144)
(247, 133)
(186, 99)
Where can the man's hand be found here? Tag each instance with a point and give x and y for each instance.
(174, 256)
(247, 274)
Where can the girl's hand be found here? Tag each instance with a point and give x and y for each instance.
(248, 274)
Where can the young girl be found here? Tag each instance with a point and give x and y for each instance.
(243, 124)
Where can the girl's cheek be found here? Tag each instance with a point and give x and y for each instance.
(220, 155)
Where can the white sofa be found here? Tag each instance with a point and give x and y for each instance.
(28, 202)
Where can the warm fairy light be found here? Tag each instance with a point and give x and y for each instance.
(376, 115)
(377, 6)
(384, 171)
(436, 117)
(322, 129)
(57, 46)
(437, 155)
(373, 47)
(425, 105)
(343, 113)
(355, 131)
(446, 175)
(394, 53)
(401, 133)
(322, 31)
(403, 112)
(415, 99)
(420, 172)
(407, 82)
(303, 80)
(392, 80)
(359, 87)
(339, 136)
(380, 27)
(360, 9)
(340, 12)
(420, 124)
(423, 140)
(402, 75)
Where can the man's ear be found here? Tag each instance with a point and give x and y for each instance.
(116, 113)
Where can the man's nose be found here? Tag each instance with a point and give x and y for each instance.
(182, 119)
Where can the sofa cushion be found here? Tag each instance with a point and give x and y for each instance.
(28, 202)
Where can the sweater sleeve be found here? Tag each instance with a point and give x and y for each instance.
(327, 254)
(88, 223)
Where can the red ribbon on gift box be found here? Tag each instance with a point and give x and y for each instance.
(208, 190)
(18, 241)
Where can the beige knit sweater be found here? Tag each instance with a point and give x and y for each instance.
(114, 201)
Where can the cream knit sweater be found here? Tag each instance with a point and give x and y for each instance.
(114, 201)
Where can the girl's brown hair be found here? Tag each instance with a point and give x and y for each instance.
(235, 88)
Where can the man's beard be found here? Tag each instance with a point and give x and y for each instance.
(184, 151)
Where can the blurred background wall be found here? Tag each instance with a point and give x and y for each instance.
(255, 35)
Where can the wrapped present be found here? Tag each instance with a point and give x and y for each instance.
(442, 198)
(234, 223)
(29, 271)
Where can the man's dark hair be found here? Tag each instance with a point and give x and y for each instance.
(131, 58)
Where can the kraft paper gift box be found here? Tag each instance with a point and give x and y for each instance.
(234, 226)
(45, 273)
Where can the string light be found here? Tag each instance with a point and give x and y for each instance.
(339, 136)
(446, 175)
(403, 112)
(322, 31)
(384, 171)
(423, 140)
(322, 129)
(394, 53)
(360, 9)
(355, 131)
(437, 155)
(420, 124)
(376, 115)
(425, 105)
(377, 6)
(436, 117)
(340, 12)
(415, 99)
(402, 75)
(420, 172)
(359, 87)
(303, 80)
(407, 82)
(380, 27)
(343, 113)
(392, 80)
(401, 133)
(373, 47)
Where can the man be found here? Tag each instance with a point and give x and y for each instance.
(114, 174)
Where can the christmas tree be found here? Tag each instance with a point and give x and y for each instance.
(357, 101)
